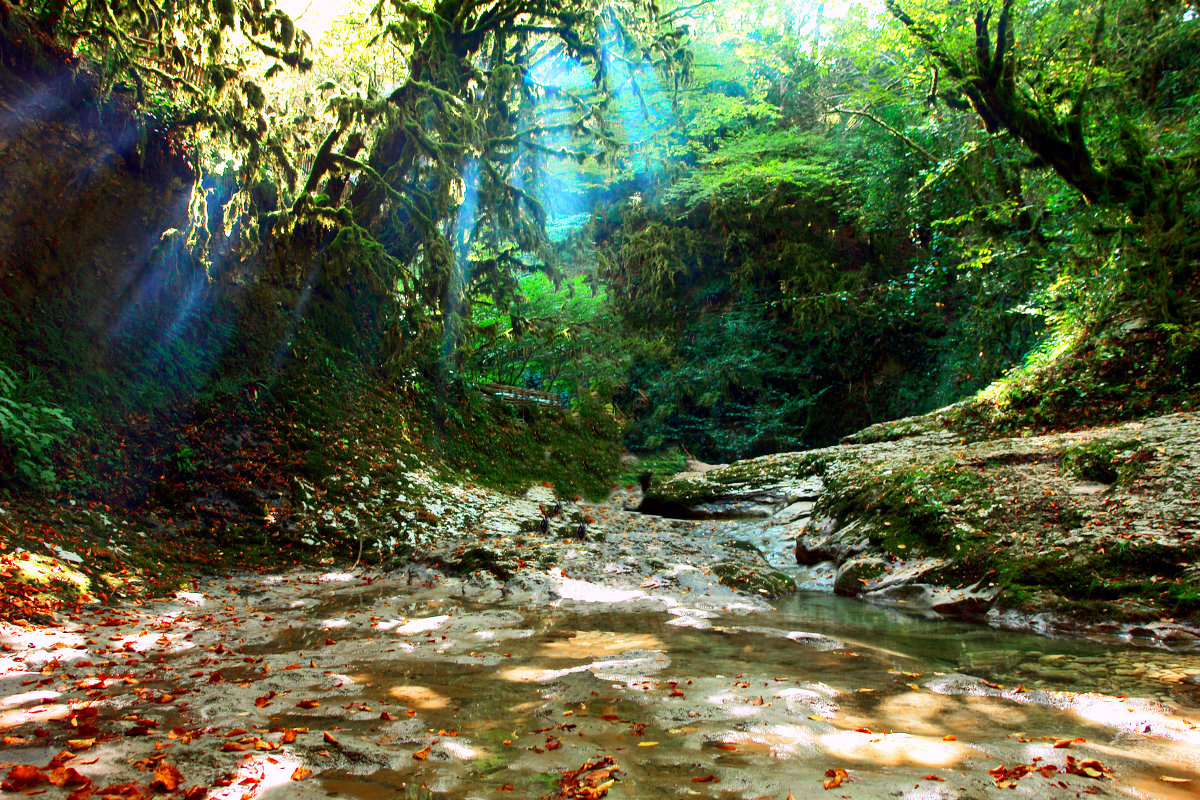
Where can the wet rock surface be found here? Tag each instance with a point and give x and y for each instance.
(461, 675)
(1017, 531)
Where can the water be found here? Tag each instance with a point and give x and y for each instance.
(751, 706)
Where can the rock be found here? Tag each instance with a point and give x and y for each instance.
(913, 596)
(812, 550)
(972, 601)
(855, 574)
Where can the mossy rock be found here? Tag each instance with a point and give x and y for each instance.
(854, 575)
(479, 558)
(754, 580)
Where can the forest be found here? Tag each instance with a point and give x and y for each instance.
(703, 308)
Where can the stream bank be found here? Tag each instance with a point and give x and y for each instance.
(1094, 531)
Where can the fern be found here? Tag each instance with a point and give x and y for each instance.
(29, 431)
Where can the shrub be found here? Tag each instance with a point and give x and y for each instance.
(29, 430)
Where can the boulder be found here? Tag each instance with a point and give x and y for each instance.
(854, 575)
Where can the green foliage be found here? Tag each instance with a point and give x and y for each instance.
(563, 339)
(511, 447)
(1125, 369)
(30, 429)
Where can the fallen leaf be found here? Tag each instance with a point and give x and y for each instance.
(300, 773)
(423, 753)
(308, 704)
(834, 777)
(167, 776)
(20, 777)
(329, 738)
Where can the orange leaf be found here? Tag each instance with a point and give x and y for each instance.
(308, 704)
(301, 773)
(329, 738)
(423, 753)
(167, 776)
(22, 776)
(834, 777)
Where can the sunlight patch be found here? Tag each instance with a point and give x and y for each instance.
(256, 775)
(893, 749)
(419, 696)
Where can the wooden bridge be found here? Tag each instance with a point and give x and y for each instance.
(520, 396)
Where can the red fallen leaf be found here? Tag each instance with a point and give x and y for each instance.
(725, 746)
(676, 693)
(237, 732)
(308, 704)
(22, 776)
(86, 792)
(862, 730)
(1061, 743)
(289, 736)
(386, 716)
(195, 792)
(67, 776)
(167, 776)
(705, 779)
(292, 666)
(129, 791)
(262, 702)
(300, 773)
(423, 753)
(329, 738)
(834, 777)
(508, 787)
(232, 747)
(330, 641)
(933, 778)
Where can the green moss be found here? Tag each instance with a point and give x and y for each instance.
(1118, 462)
(906, 508)
(653, 467)
(509, 448)
(759, 473)
(754, 580)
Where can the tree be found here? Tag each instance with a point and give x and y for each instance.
(1036, 76)
(449, 186)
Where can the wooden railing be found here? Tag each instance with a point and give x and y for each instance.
(520, 396)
